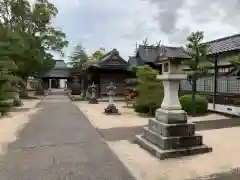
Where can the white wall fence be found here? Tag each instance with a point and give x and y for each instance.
(225, 84)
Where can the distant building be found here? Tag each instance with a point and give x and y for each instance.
(110, 68)
(221, 86)
(56, 78)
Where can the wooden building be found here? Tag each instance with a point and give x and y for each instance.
(110, 68)
(150, 55)
(221, 86)
(57, 77)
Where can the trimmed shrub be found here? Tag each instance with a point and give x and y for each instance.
(140, 107)
(201, 104)
(5, 106)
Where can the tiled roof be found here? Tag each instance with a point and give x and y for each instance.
(60, 64)
(225, 44)
(151, 53)
(59, 73)
(60, 70)
(110, 54)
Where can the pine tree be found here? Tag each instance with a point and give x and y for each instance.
(197, 64)
(149, 90)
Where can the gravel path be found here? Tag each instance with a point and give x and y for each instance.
(60, 144)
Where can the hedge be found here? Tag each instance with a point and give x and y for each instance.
(201, 104)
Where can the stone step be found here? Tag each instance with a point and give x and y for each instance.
(172, 153)
(176, 142)
(171, 130)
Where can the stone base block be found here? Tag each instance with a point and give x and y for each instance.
(171, 116)
(177, 142)
(185, 129)
(172, 153)
(93, 101)
(111, 109)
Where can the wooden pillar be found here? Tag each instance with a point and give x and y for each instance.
(215, 80)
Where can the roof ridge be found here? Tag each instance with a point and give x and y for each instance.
(166, 46)
(223, 38)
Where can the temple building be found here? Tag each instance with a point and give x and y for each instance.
(110, 68)
(57, 77)
(221, 86)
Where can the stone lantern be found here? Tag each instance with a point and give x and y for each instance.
(169, 134)
(111, 107)
(93, 99)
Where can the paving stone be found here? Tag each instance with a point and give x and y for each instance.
(60, 144)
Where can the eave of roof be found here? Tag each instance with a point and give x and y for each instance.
(225, 44)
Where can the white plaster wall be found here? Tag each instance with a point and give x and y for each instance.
(233, 110)
(62, 83)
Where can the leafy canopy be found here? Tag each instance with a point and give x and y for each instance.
(80, 58)
(197, 52)
(34, 37)
(149, 90)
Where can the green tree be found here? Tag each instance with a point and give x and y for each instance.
(34, 35)
(235, 61)
(7, 78)
(197, 64)
(79, 57)
(97, 55)
(149, 90)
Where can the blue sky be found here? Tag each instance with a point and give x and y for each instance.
(120, 24)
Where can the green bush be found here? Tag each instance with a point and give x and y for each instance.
(149, 91)
(140, 107)
(5, 107)
(201, 104)
(17, 103)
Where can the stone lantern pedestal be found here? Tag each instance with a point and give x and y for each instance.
(169, 134)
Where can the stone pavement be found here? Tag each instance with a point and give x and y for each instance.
(60, 144)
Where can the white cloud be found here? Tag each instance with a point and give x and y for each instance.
(117, 24)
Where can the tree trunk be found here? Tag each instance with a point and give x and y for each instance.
(194, 90)
(23, 88)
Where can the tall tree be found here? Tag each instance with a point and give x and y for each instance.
(7, 69)
(79, 57)
(34, 35)
(97, 55)
(197, 63)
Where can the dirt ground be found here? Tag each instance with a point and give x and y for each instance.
(15, 121)
(225, 155)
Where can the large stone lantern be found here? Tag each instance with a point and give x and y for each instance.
(169, 134)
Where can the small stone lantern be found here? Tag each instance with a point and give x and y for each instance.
(169, 134)
(111, 107)
(93, 99)
(17, 92)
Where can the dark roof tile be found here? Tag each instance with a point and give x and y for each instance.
(60, 64)
(230, 43)
(151, 53)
